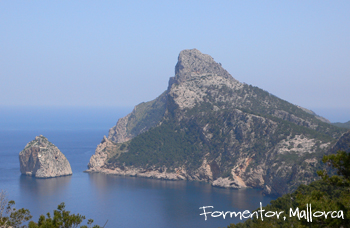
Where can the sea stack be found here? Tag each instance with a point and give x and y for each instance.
(42, 159)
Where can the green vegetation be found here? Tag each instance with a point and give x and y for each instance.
(328, 194)
(12, 217)
(343, 125)
(61, 218)
(165, 145)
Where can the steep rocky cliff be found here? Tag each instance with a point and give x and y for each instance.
(208, 126)
(42, 159)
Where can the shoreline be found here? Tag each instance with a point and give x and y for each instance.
(135, 172)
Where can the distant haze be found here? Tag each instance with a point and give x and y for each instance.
(119, 53)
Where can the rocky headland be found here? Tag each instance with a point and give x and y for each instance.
(42, 159)
(207, 126)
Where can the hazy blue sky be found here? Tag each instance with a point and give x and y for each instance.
(120, 53)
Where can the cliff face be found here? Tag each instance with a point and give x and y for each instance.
(208, 126)
(103, 150)
(42, 159)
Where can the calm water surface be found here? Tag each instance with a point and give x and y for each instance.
(123, 201)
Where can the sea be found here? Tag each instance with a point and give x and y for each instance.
(110, 200)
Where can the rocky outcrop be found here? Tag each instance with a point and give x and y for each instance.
(228, 183)
(105, 148)
(210, 127)
(42, 159)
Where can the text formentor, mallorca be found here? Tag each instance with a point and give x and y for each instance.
(307, 214)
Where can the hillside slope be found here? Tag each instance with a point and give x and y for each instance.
(343, 125)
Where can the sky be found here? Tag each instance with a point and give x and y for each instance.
(122, 53)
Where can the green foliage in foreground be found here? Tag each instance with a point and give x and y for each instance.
(11, 217)
(61, 218)
(328, 194)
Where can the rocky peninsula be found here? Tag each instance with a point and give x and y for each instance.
(208, 126)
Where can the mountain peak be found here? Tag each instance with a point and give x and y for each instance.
(192, 62)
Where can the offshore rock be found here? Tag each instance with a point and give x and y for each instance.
(42, 159)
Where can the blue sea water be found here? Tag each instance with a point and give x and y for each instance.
(123, 201)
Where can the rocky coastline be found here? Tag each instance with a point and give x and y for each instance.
(98, 164)
(164, 175)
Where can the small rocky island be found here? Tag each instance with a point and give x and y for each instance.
(42, 159)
